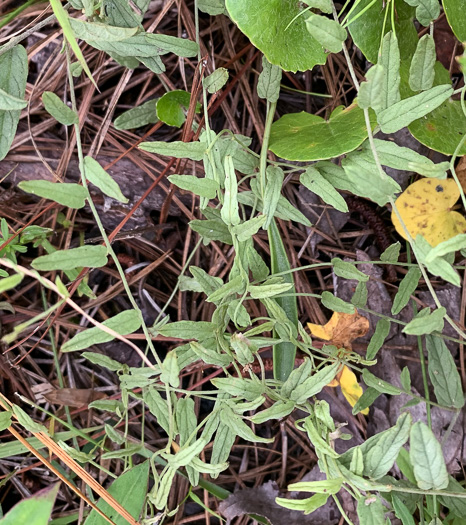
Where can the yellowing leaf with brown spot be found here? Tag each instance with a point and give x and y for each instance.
(426, 209)
(342, 329)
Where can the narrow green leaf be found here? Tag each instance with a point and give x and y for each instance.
(147, 45)
(380, 451)
(314, 384)
(26, 421)
(216, 80)
(371, 92)
(177, 149)
(130, 490)
(382, 329)
(124, 323)
(137, 117)
(426, 324)
(82, 257)
(316, 183)
(410, 109)
(212, 230)
(35, 510)
(102, 360)
(10, 282)
(389, 59)
(327, 32)
(68, 194)
(347, 270)
(11, 103)
(14, 68)
(336, 304)
(273, 188)
(360, 295)
(366, 400)
(268, 290)
(427, 458)
(170, 370)
(283, 353)
(5, 420)
(402, 511)
(268, 85)
(247, 229)
(379, 384)
(100, 178)
(405, 379)
(421, 71)
(188, 329)
(407, 287)
(278, 410)
(449, 246)
(326, 486)
(239, 427)
(158, 407)
(223, 443)
(203, 187)
(229, 211)
(322, 448)
(443, 373)
(307, 505)
(96, 31)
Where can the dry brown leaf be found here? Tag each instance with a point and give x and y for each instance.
(342, 329)
(73, 397)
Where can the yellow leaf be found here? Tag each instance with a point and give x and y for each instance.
(350, 388)
(342, 329)
(425, 208)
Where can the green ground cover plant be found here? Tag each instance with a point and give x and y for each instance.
(399, 473)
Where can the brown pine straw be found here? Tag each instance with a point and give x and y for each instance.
(75, 467)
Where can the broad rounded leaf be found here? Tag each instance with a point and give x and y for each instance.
(304, 137)
(366, 30)
(172, 106)
(265, 23)
(426, 209)
(442, 129)
(456, 16)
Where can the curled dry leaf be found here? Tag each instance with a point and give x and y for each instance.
(341, 331)
(73, 397)
(426, 209)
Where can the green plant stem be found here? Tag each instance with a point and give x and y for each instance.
(271, 106)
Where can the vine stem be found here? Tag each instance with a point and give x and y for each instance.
(265, 146)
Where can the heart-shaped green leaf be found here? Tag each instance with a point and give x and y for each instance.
(304, 137)
(265, 23)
